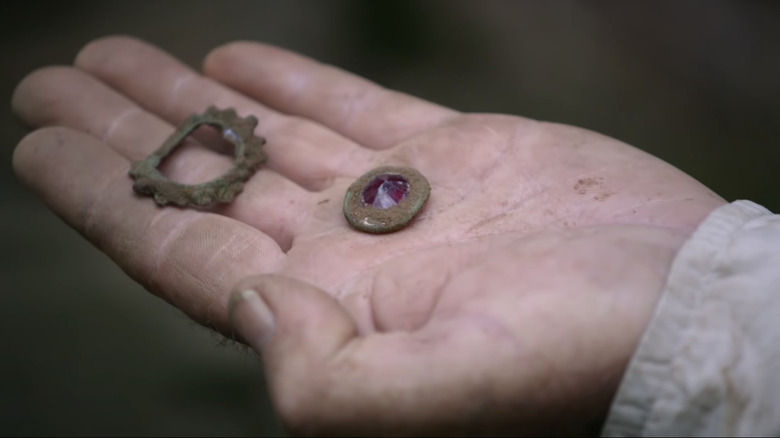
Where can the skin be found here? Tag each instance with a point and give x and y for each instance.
(511, 305)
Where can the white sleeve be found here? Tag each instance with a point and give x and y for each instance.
(709, 361)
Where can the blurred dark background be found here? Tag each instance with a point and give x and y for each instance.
(85, 351)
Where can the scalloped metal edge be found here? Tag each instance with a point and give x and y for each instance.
(149, 181)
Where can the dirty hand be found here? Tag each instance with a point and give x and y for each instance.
(511, 304)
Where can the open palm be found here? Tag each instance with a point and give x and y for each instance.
(510, 304)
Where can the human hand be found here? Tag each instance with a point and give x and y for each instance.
(510, 305)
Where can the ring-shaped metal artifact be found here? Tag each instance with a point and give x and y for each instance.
(149, 181)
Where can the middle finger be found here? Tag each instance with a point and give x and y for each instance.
(302, 150)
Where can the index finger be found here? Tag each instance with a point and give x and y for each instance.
(359, 109)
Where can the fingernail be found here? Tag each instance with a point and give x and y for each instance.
(251, 317)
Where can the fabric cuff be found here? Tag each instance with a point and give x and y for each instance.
(675, 381)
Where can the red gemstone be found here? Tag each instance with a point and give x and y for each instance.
(385, 191)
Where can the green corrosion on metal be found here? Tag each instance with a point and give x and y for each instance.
(371, 219)
(149, 181)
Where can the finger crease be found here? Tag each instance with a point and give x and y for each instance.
(182, 81)
(355, 105)
(159, 251)
(118, 120)
(93, 210)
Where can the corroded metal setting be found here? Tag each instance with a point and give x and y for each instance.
(405, 200)
(149, 181)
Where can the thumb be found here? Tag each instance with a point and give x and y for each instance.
(274, 312)
(296, 326)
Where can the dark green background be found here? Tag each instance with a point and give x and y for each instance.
(86, 351)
